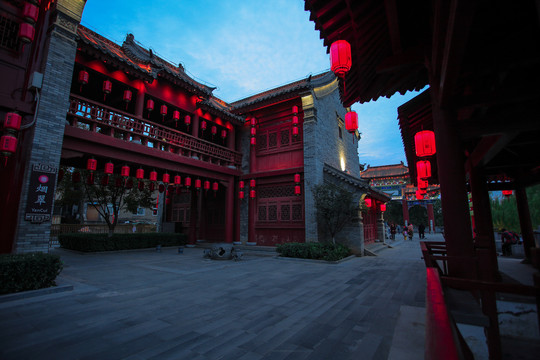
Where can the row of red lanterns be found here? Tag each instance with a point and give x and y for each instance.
(242, 185)
(8, 140)
(295, 121)
(30, 16)
(424, 143)
(253, 131)
(369, 203)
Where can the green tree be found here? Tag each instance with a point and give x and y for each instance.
(335, 207)
(394, 212)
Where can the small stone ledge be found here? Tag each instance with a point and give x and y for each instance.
(314, 261)
(34, 293)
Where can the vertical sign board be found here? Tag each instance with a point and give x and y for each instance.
(40, 198)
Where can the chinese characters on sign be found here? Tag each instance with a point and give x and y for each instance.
(40, 193)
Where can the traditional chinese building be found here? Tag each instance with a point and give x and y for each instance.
(241, 172)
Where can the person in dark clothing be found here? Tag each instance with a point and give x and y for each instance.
(508, 239)
(421, 229)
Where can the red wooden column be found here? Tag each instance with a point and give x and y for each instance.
(229, 211)
(193, 218)
(252, 202)
(431, 218)
(405, 210)
(488, 268)
(231, 138)
(451, 171)
(139, 102)
(195, 123)
(236, 215)
(525, 220)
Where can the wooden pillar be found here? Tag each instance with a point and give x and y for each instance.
(195, 125)
(193, 218)
(431, 218)
(451, 173)
(203, 214)
(139, 102)
(525, 220)
(237, 215)
(252, 236)
(231, 138)
(405, 210)
(229, 212)
(484, 241)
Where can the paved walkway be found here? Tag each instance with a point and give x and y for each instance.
(149, 305)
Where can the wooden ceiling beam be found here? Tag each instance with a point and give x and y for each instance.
(489, 147)
(399, 61)
(393, 25)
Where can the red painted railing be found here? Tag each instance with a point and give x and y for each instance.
(92, 116)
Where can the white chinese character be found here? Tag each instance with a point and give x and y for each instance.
(40, 200)
(42, 188)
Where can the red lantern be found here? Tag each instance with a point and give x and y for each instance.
(127, 96)
(295, 131)
(253, 121)
(295, 120)
(422, 191)
(8, 144)
(253, 141)
(30, 13)
(139, 174)
(83, 77)
(12, 122)
(26, 33)
(150, 105)
(153, 175)
(368, 202)
(223, 133)
(296, 178)
(215, 186)
(91, 164)
(297, 190)
(109, 168)
(177, 180)
(187, 120)
(241, 184)
(107, 87)
(383, 207)
(253, 131)
(340, 58)
(351, 121)
(206, 185)
(214, 130)
(424, 142)
(252, 183)
(252, 194)
(187, 182)
(163, 110)
(176, 116)
(423, 169)
(419, 195)
(166, 178)
(198, 184)
(422, 184)
(124, 171)
(507, 193)
(240, 194)
(295, 109)
(203, 125)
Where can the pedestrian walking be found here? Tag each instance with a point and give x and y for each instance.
(421, 230)
(404, 233)
(410, 231)
(393, 231)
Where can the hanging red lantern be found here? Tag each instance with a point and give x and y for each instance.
(177, 180)
(127, 96)
(252, 183)
(139, 174)
(296, 178)
(297, 190)
(203, 125)
(368, 202)
(422, 184)
(30, 13)
(198, 184)
(351, 121)
(340, 58)
(295, 109)
(124, 171)
(295, 120)
(26, 33)
(295, 131)
(163, 110)
(383, 207)
(8, 145)
(507, 193)
(187, 120)
(107, 87)
(223, 133)
(12, 122)
(206, 185)
(419, 195)
(252, 194)
(424, 142)
(253, 121)
(166, 178)
(253, 141)
(215, 186)
(422, 191)
(423, 169)
(150, 105)
(241, 184)
(253, 131)
(83, 77)
(214, 130)
(153, 175)
(240, 194)
(91, 164)
(109, 168)
(176, 117)
(187, 182)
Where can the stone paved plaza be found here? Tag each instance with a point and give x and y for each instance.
(150, 305)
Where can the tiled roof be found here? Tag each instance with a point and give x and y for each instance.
(220, 108)
(281, 93)
(397, 170)
(359, 183)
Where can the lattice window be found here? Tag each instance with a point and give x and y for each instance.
(262, 213)
(276, 191)
(8, 34)
(285, 212)
(284, 137)
(272, 213)
(272, 140)
(262, 142)
(297, 212)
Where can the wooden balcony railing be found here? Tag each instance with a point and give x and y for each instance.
(89, 115)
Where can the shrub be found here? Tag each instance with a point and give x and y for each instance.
(317, 251)
(101, 242)
(21, 272)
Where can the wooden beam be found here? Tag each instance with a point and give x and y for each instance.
(489, 147)
(393, 25)
(402, 60)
